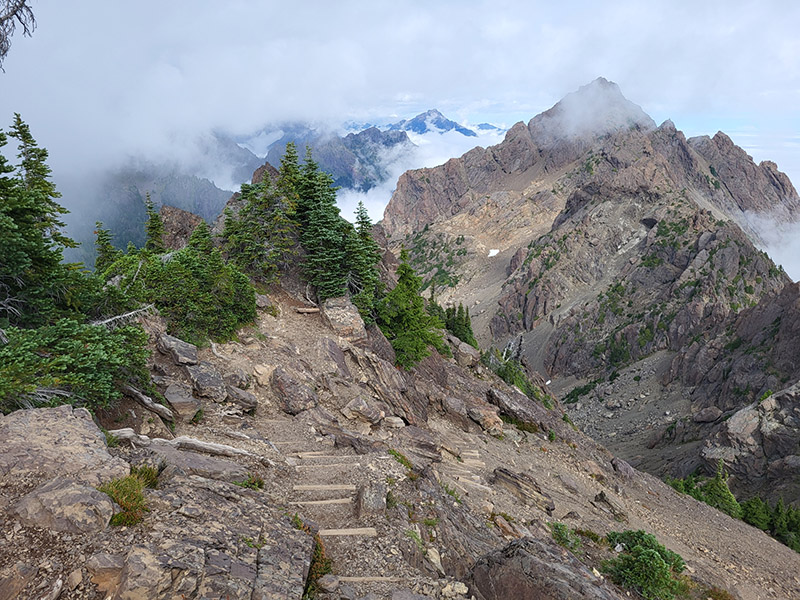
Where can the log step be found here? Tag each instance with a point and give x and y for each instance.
(327, 465)
(322, 502)
(369, 579)
(361, 531)
(325, 487)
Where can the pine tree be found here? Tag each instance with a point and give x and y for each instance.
(106, 252)
(289, 174)
(262, 235)
(362, 254)
(756, 512)
(200, 239)
(35, 287)
(405, 322)
(717, 494)
(154, 228)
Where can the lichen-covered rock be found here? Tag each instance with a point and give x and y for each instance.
(487, 417)
(65, 505)
(341, 315)
(534, 568)
(207, 381)
(293, 395)
(56, 442)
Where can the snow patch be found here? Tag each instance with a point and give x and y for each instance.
(493, 252)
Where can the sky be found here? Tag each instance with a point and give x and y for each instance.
(101, 80)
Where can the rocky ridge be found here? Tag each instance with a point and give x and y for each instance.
(620, 256)
(326, 416)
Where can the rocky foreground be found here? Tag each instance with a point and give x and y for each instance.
(412, 482)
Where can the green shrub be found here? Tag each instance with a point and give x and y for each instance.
(198, 294)
(716, 493)
(253, 481)
(564, 536)
(70, 362)
(629, 539)
(147, 474)
(645, 571)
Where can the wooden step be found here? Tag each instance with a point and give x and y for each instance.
(361, 531)
(369, 579)
(322, 502)
(325, 487)
(327, 465)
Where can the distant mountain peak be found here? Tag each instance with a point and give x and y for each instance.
(431, 121)
(594, 109)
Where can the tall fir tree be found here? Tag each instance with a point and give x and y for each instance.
(106, 252)
(405, 322)
(362, 256)
(260, 238)
(154, 228)
(289, 175)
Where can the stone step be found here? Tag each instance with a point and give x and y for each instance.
(322, 502)
(358, 531)
(333, 487)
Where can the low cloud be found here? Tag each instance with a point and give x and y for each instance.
(781, 240)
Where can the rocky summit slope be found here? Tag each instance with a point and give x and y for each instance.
(302, 430)
(620, 256)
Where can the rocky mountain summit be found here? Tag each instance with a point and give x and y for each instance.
(621, 258)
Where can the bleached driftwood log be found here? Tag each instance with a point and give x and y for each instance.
(161, 410)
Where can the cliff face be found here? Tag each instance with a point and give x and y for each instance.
(624, 260)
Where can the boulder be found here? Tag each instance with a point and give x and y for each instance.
(371, 499)
(465, 355)
(623, 468)
(207, 382)
(359, 408)
(420, 446)
(612, 504)
(57, 442)
(487, 418)
(182, 353)
(516, 405)
(65, 505)
(341, 315)
(292, 394)
(105, 570)
(247, 400)
(194, 463)
(536, 568)
(179, 396)
(707, 415)
(456, 411)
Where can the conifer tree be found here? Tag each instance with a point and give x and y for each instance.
(200, 239)
(106, 252)
(756, 512)
(154, 228)
(35, 287)
(405, 322)
(362, 255)
(717, 494)
(261, 236)
(289, 173)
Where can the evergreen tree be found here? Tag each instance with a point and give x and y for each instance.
(289, 174)
(717, 494)
(200, 239)
(780, 520)
(106, 252)
(35, 287)
(261, 236)
(154, 228)
(362, 254)
(405, 322)
(756, 512)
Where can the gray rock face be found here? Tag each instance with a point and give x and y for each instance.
(533, 568)
(360, 408)
(65, 505)
(182, 353)
(292, 394)
(207, 381)
(179, 396)
(57, 442)
(193, 463)
(341, 315)
(243, 398)
(524, 487)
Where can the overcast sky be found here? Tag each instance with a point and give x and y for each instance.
(103, 78)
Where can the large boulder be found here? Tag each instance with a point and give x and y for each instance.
(56, 442)
(65, 505)
(179, 396)
(293, 395)
(535, 568)
(341, 315)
